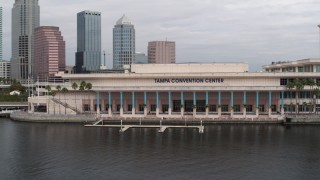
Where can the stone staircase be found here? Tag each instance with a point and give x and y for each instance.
(66, 105)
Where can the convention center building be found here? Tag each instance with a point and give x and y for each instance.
(206, 90)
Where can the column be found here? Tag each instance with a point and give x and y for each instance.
(282, 102)
(91, 104)
(32, 108)
(257, 103)
(270, 103)
(194, 103)
(98, 102)
(182, 104)
(145, 109)
(219, 103)
(231, 104)
(157, 101)
(133, 104)
(169, 104)
(121, 103)
(109, 104)
(244, 103)
(207, 103)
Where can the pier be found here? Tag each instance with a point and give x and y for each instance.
(162, 128)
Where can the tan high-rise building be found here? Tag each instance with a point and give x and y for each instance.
(161, 52)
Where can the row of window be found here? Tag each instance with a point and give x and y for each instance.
(165, 107)
(285, 81)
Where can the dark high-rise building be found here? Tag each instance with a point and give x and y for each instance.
(88, 55)
(25, 18)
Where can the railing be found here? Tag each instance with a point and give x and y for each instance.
(66, 105)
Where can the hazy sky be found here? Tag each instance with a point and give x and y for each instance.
(253, 31)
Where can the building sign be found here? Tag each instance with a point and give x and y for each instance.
(189, 80)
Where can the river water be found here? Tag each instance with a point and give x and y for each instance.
(72, 151)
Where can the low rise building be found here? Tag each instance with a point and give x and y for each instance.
(208, 90)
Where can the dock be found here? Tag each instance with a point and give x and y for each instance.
(161, 128)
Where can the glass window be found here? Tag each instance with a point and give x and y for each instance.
(165, 107)
(129, 107)
(236, 108)
(283, 82)
(86, 107)
(300, 69)
(224, 108)
(249, 108)
(153, 107)
(213, 108)
(141, 107)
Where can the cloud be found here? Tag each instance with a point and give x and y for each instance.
(253, 31)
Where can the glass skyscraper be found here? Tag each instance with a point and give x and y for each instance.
(123, 43)
(88, 55)
(25, 18)
(1, 33)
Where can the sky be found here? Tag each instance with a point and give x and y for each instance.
(257, 32)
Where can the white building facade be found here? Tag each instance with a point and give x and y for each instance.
(214, 91)
(5, 69)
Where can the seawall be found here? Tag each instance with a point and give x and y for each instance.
(50, 118)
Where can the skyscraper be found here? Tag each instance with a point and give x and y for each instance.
(1, 33)
(88, 55)
(25, 18)
(50, 54)
(161, 52)
(123, 43)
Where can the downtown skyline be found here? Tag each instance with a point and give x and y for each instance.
(211, 31)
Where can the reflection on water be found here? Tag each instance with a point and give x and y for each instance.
(71, 151)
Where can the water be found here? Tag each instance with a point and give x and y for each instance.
(71, 151)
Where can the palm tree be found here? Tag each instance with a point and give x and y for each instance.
(64, 91)
(290, 86)
(82, 87)
(316, 93)
(48, 88)
(74, 87)
(88, 87)
(299, 85)
(59, 90)
(310, 82)
(53, 93)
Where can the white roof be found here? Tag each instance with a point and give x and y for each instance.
(123, 20)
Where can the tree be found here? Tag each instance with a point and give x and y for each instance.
(82, 87)
(310, 82)
(89, 87)
(316, 93)
(75, 87)
(53, 93)
(16, 86)
(64, 91)
(290, 86)
(59, 90)
(299, 85)
(48, 88)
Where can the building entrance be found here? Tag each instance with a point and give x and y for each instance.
(188, 106)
